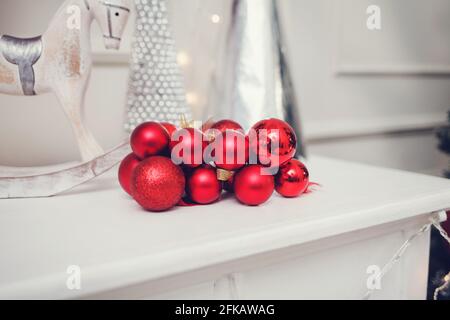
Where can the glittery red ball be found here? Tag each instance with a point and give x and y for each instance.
(292, 179)
(128, 164)
(251, 187)
(169, 127)
(157, 184)
(232, 150)
(149, 139)
(202, 185)
(269, 134)
(187, 146)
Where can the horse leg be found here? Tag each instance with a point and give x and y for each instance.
(72, 101)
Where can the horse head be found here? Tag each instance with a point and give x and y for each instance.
(112, 16)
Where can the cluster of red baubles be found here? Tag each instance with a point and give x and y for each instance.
(159, 178)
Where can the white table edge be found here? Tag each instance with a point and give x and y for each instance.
(146, 268)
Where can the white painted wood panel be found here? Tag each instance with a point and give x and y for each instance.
(358, 84)
(332, 268)
(326, 97)
(413, 37)
(412, 151)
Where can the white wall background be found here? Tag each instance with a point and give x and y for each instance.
(369, 96)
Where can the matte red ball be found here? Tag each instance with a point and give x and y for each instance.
(157, 184)
(292, 179)
(191, 140)
(149, 139)
(171, 128)
(128, 164)
(271, 132)
(232, 150)
(251, 187)
(202, 185)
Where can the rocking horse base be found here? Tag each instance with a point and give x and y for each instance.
(28, 183)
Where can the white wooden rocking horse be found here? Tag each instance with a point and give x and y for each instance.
(60, 60)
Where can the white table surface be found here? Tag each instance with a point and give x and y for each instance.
(99, 228)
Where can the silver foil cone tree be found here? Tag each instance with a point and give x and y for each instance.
(255, 82)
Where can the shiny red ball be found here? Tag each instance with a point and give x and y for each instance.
(128, 164)
(171, 128)
(232, 150)
(292, 179)
(202, 185)
(157, 184)
(187, 146)
(227, 124)
(251, 187)
(149, 139)
(268, 134)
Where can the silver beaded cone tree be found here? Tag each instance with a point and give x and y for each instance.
(156, 90)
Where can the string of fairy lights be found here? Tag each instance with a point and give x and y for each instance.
(446, 279)
(435, 221)
(443, 287)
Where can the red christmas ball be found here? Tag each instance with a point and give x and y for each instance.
(187, 146)
(128, 164)
(169, 127)
(157, 184)
(149, 139)
(202, 185)
(232, 150)
(252, 187)
(276, 134)
(224, 125)
(292, 179)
